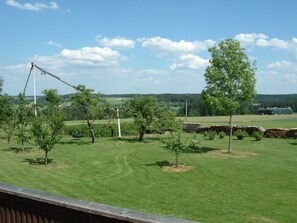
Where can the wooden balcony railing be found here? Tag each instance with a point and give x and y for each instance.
(20, 205)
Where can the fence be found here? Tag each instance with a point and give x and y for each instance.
(20, 205)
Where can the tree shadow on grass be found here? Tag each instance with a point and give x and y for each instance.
(135, 139)
(199, 149)
(74, 142)
(37, 161)
(160, 163)
(293, 143)
(18, 149)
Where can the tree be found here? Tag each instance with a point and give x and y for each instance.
(176, 145)
(6, 113)
(230, 79)
(48, 125)
(149, 113)
(23, 115)
(91, 104)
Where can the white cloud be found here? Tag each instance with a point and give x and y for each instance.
(32, 7)
(280, 65)
(250, 38)
(283, 71)
(164, 46)
(91, 56)
(261, 40)
(190, 61)
(52, 43)
(117, 43)
(277, 43)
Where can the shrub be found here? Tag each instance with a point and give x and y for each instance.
(258, 136)
(210, 135)
(222, 135)
(240, 134)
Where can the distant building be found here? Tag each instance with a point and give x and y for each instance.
(275, 111)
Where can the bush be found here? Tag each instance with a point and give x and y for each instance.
(258, 136)
(240, 134)
(210, 135)
(222, 135)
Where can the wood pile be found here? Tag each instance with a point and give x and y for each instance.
(269, 133)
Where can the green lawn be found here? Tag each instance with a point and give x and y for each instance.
(256, 184)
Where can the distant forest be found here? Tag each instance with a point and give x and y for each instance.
(196, 106)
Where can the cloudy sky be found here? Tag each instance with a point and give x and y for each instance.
(143, 46)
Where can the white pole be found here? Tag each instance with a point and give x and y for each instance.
(34, 89)
(119, 124)
(186, 115)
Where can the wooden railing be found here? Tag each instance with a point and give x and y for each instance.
(20, 205)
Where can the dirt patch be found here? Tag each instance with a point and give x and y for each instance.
(175, 169)
(263, 219)
(233, 154)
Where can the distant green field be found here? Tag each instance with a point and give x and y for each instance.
(257, 183)
(265, 121)
(117, 100)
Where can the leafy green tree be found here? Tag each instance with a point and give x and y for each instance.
(176, 144)
(230, 79)
(91, 104)
(23, 116)
(6, 113)
(48, 125)
(149, 113)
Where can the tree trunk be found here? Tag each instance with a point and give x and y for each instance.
(89, 124)
(230, 133)
(45, 158)
(142, 131)
(91, 130)
(93, 135)
(23, 149)
(176, 159)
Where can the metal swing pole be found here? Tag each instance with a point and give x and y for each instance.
(34, 89)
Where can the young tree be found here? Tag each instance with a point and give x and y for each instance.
(91, 104)
(177, 145)
(147, 113)
(47, 126)
(230, 79)
(23, 115)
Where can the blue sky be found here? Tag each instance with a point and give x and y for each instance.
(143, 46)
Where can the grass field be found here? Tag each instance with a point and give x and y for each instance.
(257, 183)
(265, 121)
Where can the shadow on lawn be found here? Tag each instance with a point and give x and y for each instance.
(195, 149)
(198, 149)
(74, 142)
(37, 161)
(160, 163)
(18, 149)
(135, 139)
